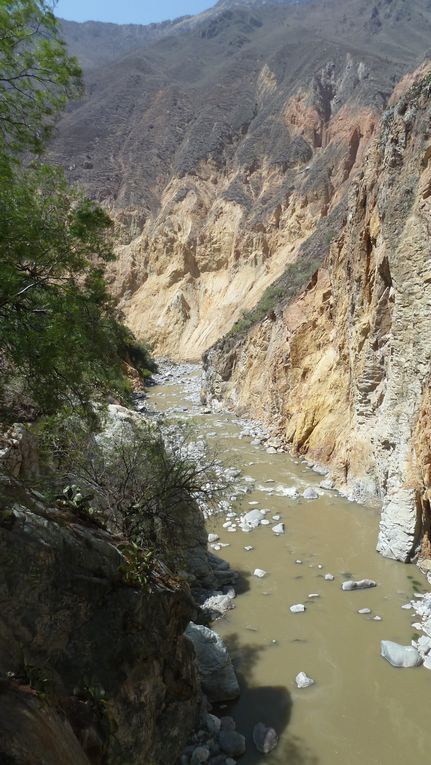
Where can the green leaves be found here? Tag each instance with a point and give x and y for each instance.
(37, 77)
(58, 330)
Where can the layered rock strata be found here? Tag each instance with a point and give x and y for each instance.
(341, 371)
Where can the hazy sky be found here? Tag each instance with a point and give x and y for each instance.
(129, 11)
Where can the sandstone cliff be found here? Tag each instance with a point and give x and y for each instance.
(341, 366)
(220, 146)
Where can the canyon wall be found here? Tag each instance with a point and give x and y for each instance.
(255, 199)
(341, 371)
(219, 147)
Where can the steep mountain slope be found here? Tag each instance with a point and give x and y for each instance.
(220, 147)
(341, 368)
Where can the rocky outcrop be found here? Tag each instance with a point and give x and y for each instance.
(219, 147)
(92, 669)
(341, 369)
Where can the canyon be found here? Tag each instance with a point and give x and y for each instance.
(270, 193)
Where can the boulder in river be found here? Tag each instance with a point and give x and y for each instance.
(278, 529)
(302, 680)
(253, 518)
(400, 655)
(310, 493)
(298, 608)
(216, 672)
(265, 739)
(361, 584)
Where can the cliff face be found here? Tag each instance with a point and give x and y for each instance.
(341, 371)
(220, 146)
(92, 670)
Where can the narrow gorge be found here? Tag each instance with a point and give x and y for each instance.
(215, 368)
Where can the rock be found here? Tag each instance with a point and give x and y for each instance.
(407, 606)
(271, 450)
(361, 584)
(213, 724)
(253, 518)
(264, 522)
(299, 562)
(279, 529)
(259, 572)
(276, 517)
(327, 483)
(314, 595)
(427, 662)
(364, 611)
(423, 645)
(302, 680)
(218, 604)
(232, 743)
(227, 723)
(329, 578)
(287, 491)
(200, 754)
(249, 548)
(213, 538)
(400, 655)
(298, 608)
(216, 672)
(229, 761)
(377, 618)
(265, 739)
(310, 493)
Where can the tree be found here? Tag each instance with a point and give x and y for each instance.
(58, 331)
(37, 77)
(60, 338)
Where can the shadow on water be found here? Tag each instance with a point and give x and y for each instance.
(271, 705)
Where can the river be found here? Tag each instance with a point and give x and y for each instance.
(361, 710)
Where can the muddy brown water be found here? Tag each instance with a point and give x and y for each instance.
(361, 711)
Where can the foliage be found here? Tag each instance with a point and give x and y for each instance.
(72, 499)
(296, 276)
(58, 331)
(143, 487)
(60, 339)
(137, 569)
(137, 353)
(37, 77)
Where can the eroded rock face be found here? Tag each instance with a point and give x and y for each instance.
(342, 371)
(218, 151)
(96, 667)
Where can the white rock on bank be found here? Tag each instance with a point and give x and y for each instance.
(216, 672)
(298, 608)
(329, 577)
(302, 680)
(213, 538)
(259, 572)
(400, 655)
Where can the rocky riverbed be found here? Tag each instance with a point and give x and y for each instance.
(307, 619)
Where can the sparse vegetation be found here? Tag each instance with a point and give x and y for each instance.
(295, 278)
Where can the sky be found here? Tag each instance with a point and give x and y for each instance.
(129, 11)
